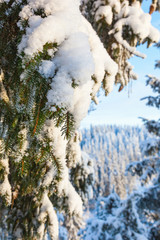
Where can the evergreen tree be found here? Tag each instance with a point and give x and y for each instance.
(52, 65)
(149, 168)
(115, 219)
(119, 26)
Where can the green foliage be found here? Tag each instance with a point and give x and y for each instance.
(22, 118)
(68, 126)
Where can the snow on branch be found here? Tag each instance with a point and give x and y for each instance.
(138, 22)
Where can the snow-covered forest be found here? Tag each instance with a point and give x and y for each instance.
(55, 57)
(111, 149)
(111, 190)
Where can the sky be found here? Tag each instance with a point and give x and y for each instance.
(125, 107)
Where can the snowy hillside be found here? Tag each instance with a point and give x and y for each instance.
(111, 149)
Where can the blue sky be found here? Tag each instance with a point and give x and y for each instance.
(125, 107)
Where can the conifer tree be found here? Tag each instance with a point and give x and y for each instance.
(119, 26)
(52, 65)
(115, 219)
(149, 168)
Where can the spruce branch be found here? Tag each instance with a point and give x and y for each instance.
(37, 119)
(68, 128)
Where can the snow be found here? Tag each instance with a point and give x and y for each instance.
(5, 187)
(74, 153)
(58, 143)
(3, 93)
(47, 210)
(75, 58)
(118, 237)
(59, 150)
(76, 69)
(58, 95)
(5, 190)
(150, 143)
(115, 5)
(106, 12)
(74, 200)
(50, 174)
(140, 24)
(111, 221)
(81, 102)
(111, 149)
(74, 63)
(79, 56)
(54, 28)
(47, 68)
(18, 233)
(24, 146)
(103, 63)
(140, 237)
